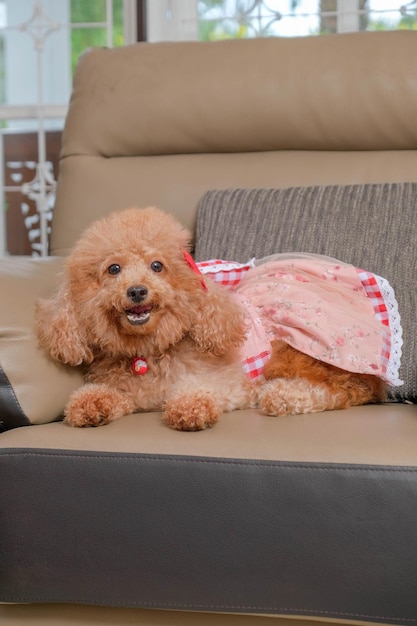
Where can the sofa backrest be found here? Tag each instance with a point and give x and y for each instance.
(160, 124)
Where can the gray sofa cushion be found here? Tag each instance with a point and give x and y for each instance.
(208, 533)
(370, 226)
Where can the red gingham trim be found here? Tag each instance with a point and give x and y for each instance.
(254, 365)
(212, 262)
(371, 287)
(373, 292)
(226, 273)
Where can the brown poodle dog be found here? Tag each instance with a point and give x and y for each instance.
(152, 335)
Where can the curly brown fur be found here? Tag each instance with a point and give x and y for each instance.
(128, 292)
(299, 383)
(188, 335)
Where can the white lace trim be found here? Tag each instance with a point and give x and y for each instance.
(213, 266)
(396, 331)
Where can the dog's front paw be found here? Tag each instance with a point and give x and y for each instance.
(96, 405)
(191, 412)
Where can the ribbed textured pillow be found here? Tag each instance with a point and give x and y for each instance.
(374, 227)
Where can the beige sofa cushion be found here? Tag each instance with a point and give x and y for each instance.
(371, 226)
(160, 123)
(33, 388)
(247, 95)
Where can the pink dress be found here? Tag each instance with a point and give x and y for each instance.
(325, 308)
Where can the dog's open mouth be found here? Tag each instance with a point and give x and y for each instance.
(139, 314)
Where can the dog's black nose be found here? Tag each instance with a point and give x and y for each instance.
(137, 293)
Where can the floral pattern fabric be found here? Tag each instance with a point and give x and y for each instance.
(325, 308)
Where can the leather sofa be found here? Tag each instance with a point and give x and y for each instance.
(258, 521)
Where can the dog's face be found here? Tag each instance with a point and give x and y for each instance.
(128, 291)
(143, 299)
(129, 278)
(134, 291)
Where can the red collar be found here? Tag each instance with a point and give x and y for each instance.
(190, 261)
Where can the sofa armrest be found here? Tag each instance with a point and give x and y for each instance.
(33, 388)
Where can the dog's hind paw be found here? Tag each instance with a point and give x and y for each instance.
(96, 405)
(191, 412)
(292, 396)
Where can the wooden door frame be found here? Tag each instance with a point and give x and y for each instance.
(141, 31)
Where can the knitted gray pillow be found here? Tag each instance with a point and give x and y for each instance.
(374, 227)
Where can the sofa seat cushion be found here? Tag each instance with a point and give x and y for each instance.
(371, 226)
(309, 516)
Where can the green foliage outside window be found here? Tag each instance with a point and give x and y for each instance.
(214, 30)
(211, 28)
(83, 12)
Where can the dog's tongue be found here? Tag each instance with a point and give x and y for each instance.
(139, 310)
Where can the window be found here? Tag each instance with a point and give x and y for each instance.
(40, 43)
(219, 19)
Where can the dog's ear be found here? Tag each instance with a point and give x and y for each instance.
(58, 328)
(220, 322)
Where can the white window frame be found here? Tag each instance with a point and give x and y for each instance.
(170, 20)
(37, 25)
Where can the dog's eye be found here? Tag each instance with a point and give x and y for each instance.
(114, 268)
(156, 266)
